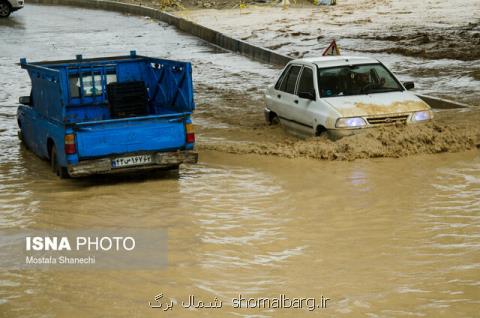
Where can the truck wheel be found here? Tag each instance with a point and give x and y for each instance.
(173, 168)
(56, 168)
(5, 9)
(20, 135)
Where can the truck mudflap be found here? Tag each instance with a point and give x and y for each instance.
(133, 162)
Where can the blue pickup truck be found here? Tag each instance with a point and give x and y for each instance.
(108, 115)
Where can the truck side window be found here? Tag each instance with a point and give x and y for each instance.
(306, 82)
(288, 84)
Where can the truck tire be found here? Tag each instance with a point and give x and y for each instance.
(5, 9)
(20, 135)
(56, 168)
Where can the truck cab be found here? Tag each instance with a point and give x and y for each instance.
(109, 115)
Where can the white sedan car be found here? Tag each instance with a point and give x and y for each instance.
(341, 95)
(8, 6)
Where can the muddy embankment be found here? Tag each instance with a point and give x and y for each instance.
(459, 43)
(240, 129)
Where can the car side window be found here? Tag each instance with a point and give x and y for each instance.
(306, 82)
(282, 77)
(288, 84)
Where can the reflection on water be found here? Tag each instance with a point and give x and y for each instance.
(381, 238)
(357, 233)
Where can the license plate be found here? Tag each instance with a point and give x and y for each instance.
(139, 160)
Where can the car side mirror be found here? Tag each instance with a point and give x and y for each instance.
(25, 100)
(409, 85)
(307, 95)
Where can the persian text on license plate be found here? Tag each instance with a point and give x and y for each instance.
(131, 161)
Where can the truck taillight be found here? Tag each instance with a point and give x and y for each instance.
(190, 133)
(70, 144)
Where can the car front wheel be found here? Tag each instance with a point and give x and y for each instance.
(5, 9)
(275, 120)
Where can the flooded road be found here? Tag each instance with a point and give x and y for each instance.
(379, 237)
(434, 43)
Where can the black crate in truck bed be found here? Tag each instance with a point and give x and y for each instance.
(127, 99)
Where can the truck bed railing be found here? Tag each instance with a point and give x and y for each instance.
(175, 116)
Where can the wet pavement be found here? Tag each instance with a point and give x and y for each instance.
(388, 237)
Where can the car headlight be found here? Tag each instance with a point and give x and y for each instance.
(422, 115)
(352, 122)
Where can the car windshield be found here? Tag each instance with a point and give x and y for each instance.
(356, 80)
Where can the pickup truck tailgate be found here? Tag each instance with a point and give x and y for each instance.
(120, 136)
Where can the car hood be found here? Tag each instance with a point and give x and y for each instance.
(376, 104)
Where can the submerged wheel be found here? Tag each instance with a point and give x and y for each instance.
(320, 130)
(20, 135)
(273, 120)
(5, 9)
(56, 168)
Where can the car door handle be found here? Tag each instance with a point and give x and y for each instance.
(279, 96)
(296, 101)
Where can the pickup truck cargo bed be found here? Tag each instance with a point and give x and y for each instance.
(110, 114)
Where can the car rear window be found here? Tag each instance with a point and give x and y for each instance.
(280, 79)
(288, 84)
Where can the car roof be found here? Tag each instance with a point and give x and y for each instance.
(329, 61)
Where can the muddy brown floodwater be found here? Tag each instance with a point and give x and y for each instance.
(380, 237)
(435, 43)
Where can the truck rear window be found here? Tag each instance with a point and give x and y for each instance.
(92, 84)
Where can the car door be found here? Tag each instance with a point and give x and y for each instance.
(304, 107)
(286, 94)
(273, 94)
